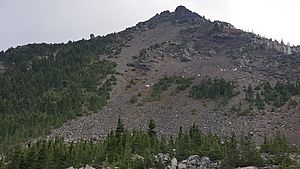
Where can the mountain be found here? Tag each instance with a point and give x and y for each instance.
(177, 68)
(185, 44)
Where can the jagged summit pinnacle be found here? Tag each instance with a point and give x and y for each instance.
(182, 9)
(180, 15)
(183, 14)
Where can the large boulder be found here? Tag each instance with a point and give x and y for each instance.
(164, 158)
(173, 163)
(195, 162)
(270, 167)
(205, 162)
(182, 166)
(70, 167)
(87, 167)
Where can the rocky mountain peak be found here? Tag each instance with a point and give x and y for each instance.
(183, 14)
(180, 15)
(182, 10)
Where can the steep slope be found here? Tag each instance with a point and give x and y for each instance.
(184, 44)
(43, 85)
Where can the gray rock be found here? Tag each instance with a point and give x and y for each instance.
(70, 167)
(137, 157)
(193, 157)
(174, 163)
(195, 162)
(270, 167)
(186, 56)
(249, 167)
(87, 167)
(164, 158)
(143, 66)
(205, 162)
(182, 166)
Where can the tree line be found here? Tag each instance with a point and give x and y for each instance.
(136, 149)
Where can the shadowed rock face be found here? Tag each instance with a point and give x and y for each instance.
(180, 15)
(183, 14)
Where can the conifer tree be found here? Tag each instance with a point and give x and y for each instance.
(259, 102)
(249, 94)
(232, 154)
(120, 128)
(249, 155)
(151, 128)
(135, 150)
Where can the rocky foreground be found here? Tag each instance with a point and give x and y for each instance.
(192, 162)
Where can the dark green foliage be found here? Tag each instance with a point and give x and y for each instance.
(166, 82)
(196, 142)
(232, 154)
(277, 145)
(283, 94)
(213, 89)
(1, 164)
(241, 153)
(136, 150)
(151, 128)
(45, 85)
(259, 102)
(183, 83)
(120, 128)
(162, 85)
(235, 109)
(249, 155)
(278, 148)
(250, 94)
(268, 92)
(133, 99)
(276, 95)
(246, 112)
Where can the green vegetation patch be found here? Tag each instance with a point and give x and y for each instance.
(276, 95)
(166, 82)
(213, 89)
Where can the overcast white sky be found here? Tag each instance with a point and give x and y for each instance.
(29, 21)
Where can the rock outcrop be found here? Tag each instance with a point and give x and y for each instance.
(192, 162)
(197, 162)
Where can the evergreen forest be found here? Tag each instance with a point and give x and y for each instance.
(136, 149)
(44, 85)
